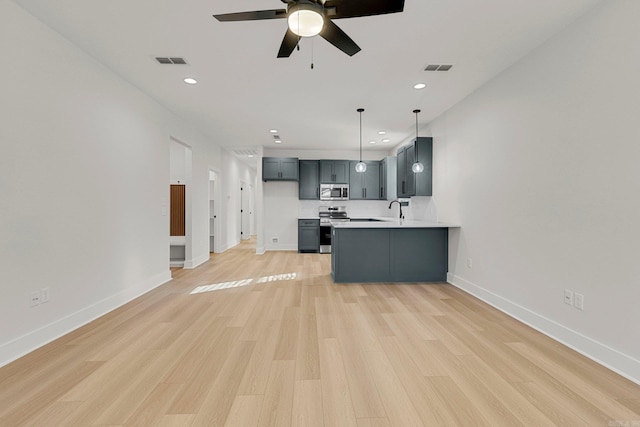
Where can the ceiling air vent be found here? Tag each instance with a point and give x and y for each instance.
(171, 61)
(435, 67)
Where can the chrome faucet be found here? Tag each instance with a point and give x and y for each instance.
(400, 205)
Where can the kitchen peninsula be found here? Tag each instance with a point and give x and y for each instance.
(389, 250)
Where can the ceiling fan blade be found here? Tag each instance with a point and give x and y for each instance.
(334, 35)
(354, 9)
(253, 15)
(289, 43)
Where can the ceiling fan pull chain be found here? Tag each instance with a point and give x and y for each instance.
(312, 52)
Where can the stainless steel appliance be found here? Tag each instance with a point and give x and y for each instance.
(329, 214)
(334, 191)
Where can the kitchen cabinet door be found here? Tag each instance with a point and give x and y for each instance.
(372, 181)
(279, 169)
(388, 178)
(334, 171)
(308, 235)
(309, 184)
(364, 185)
(410, 183)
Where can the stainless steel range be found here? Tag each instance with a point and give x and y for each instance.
(329, 214)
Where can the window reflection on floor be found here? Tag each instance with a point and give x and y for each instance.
(245, 282)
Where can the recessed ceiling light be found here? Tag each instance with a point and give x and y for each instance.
(381, 132)
(386, 140)
(190, 81)
(274, 131)
(372, 142)
(250, 156)
(419, 86)
(278, 141)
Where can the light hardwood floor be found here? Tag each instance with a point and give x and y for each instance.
(303, 351)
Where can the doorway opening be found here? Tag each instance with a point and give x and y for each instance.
(180, 163)
(245, 211)
(213, 216)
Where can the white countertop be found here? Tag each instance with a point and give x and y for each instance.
(386, 222)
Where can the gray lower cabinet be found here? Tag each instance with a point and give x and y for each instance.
(308, 235)
(360, 255)
(280, 169)
(309, 184)
(410, 183)
(364, 185)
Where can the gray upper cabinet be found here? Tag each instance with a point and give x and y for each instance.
(280, 169)
(364, 185)
(334, 171)
(309, 185)
(388, 178)
(410, 183)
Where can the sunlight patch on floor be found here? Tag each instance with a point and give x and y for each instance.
(245, 282)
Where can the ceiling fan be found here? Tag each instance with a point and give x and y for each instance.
(307, 18)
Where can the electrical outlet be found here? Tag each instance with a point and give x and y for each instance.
(44, 295)
(34, 298)
(578, 301)
(568, 297)
(469, 262)
(274, 240)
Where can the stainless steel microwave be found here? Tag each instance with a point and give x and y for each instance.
(334, 191)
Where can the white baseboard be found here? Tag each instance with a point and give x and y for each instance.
(606, 356)
(282, 248)
(193, 263)
(33, 340)
(260, 250)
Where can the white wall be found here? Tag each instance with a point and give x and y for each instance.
(84, 174)
(540, 166)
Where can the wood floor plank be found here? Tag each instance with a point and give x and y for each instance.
(287, 341)
(362, 388)
(397, 403)
(307, 353)
(307, 404)
(336, 397)
(522, 408)
(219, 398)
(245, 411)
(39, 403)
(426, 402)
(256, 375)
(278, 397)
(373, 422)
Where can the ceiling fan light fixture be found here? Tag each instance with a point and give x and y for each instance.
(305, 19)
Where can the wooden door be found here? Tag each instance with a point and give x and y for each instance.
(177, 214)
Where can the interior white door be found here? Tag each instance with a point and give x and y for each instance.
(245, 218)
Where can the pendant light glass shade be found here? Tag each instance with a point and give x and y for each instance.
(417, 167)
(305, 19)
(361, 166)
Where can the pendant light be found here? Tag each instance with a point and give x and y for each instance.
(417, 167)
(361, 166)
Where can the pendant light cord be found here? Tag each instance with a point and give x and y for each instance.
(360, 110)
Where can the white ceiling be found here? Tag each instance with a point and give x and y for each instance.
(243, 90)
